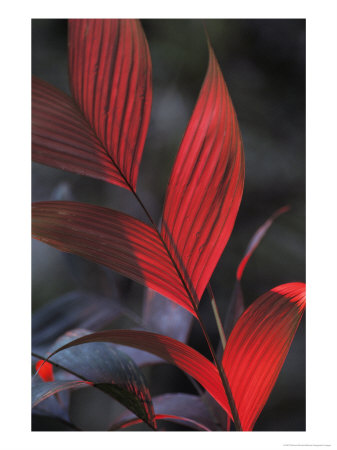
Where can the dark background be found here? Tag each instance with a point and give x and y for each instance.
(263, 62)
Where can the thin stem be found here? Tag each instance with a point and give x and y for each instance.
(217, 317)
(221, 371)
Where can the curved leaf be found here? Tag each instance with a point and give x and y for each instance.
(206, 184)
(106, 368)
(171, 418)
(175, 352)
(256, 239)
(258, 346)
(110, 77)
(62, 138)
(101, 132)
(111, 238)
(179, 408)
(75, 309)
(43, 390)
(236, 305)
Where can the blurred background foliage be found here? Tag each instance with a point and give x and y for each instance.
(263, 62)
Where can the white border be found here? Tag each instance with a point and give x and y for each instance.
(321, 223)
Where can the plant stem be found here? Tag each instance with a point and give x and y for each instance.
(217, 317)
(221, 371)
(188, 291)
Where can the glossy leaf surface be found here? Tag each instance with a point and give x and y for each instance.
(173, 351)
(110, 238)
(41, 391)
(101, 131)
(258, 346)
(206, 184)
(109, 370)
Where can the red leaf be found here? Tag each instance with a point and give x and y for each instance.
(110, 238)
(102, 133)
(179, 408)
(256, 239)
(258, 346)
(171, 418)
(174, 352)
(45, 370)
(206, 184)
(62, 138)
(110, 76)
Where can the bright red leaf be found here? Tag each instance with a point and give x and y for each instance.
(102, 133)
(258, 346)
(206, 184)
(45, 370)
(110, 238)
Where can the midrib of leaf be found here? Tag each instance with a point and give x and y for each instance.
(194, 301)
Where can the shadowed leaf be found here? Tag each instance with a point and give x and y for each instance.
(184, 409)
(108, 369)
(101, 131)
(173, 351)
(76, 309)
(110, 238)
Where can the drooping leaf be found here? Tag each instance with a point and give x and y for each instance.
(108, 369)
(110, 238)
(101, 131)
(206, 184)
(76, 309)
(43, 390)
(173, 351)
(258, 346)
(184, 409)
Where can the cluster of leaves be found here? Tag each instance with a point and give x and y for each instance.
(100, 132)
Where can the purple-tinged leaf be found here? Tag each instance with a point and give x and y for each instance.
(173, 351)
(162, 316)
(184, 409)
(43, 390)
(76, 309)
(256, 239)
(108, 369)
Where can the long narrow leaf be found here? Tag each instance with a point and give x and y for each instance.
(110, 238)
(110, 77)
(179, 408)
(175, 352)
(256, 239)
(258, 346)
(101, 131)
(62, 138)
(206, 184)
(108, 369)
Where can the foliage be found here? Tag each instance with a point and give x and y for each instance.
(100, 132)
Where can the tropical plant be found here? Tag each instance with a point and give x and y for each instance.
(100, 132)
